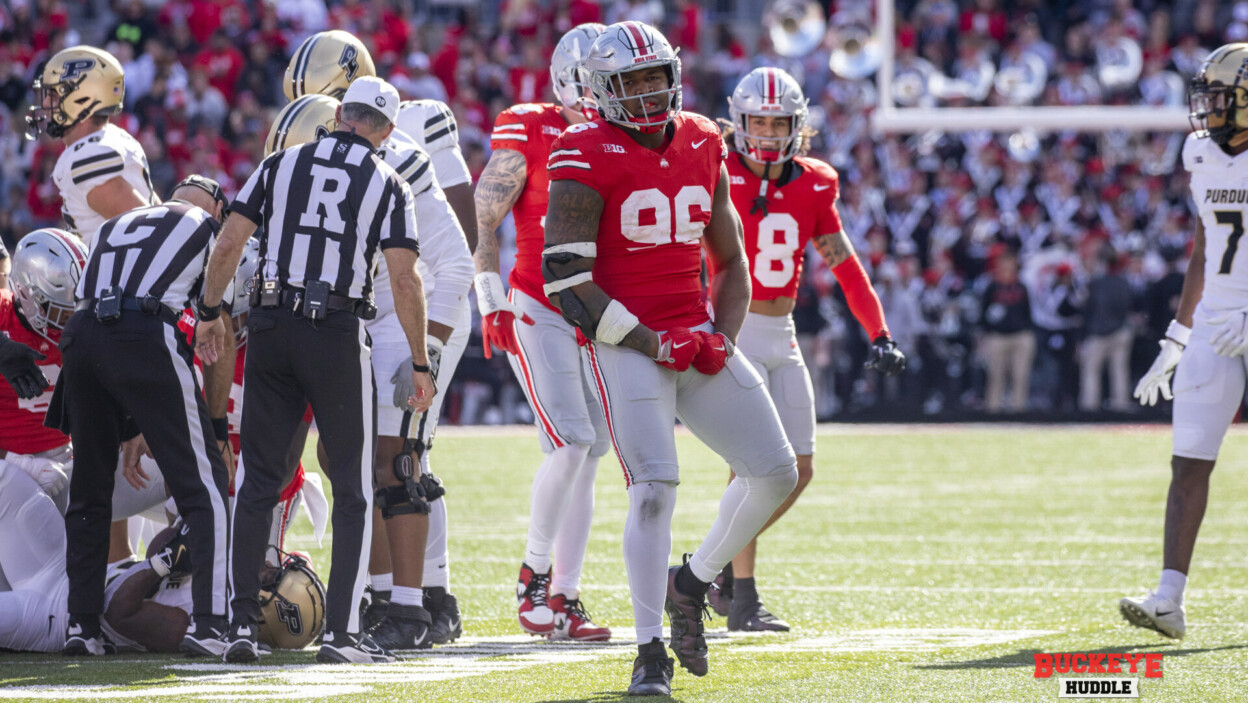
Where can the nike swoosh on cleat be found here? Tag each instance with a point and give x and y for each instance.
(1161, 614)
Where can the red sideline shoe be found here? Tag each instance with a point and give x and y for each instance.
(572, 621)
(535, 615)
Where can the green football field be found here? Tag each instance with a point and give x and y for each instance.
(922, 564)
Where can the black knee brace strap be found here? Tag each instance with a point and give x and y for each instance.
(397, 500)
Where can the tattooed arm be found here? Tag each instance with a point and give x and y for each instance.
(730, 288)
(834, 248)
(498, 189)
(572, 217)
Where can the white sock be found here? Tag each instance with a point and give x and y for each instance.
(647, 546)
(437, 560)
(403, 595)
(573, 535)
(746, 506)
(1172, 585)
(381, 582)
(552, 491)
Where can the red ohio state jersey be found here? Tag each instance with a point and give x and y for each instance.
(656, 203)
(530, 129)
(798, 211)
(21, 421)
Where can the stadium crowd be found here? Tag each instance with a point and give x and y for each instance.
(1017, 270)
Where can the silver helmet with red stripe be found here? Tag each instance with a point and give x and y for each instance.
(767, 92)
(47, 265)
(623, 48)
(566, 75)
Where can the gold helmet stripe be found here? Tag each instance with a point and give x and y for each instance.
(301, 63)
(283, 129)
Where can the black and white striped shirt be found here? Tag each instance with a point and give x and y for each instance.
(159, 250)
(325, 210)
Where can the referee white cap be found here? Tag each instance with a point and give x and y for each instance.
(375, 93)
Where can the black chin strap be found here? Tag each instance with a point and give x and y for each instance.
(760, 202)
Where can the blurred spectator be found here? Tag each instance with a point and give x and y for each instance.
(135, 25)
(204, 102)
(418, 83)
(1107, 341)
(1008, 345)
(1057, 315)
(222, 63)
(43, 198)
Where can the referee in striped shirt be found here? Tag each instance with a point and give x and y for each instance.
(128, 370)
(325, 209)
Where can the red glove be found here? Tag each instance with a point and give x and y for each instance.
(498, 329)
(677, 347)
(714, 353)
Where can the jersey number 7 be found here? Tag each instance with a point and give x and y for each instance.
(1235, 219)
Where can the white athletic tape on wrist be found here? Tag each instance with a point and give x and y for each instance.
(615, 324)
(586, 249)
(563, 284)
(491, 296)
(1178, 332)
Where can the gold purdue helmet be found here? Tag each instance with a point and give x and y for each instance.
(75, 84)
(326, 63)
(1219, 96)
(305, 120)
(292, 605)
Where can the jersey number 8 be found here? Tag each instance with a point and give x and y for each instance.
(650, 217)
(777, 242)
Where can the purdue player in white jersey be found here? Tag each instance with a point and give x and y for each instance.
(1205, 344)
(326, 63)
(446, 268)
(103, 171)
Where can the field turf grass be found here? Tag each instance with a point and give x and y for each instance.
(923, 563)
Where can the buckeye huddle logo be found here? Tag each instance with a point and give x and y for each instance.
(1102, 663)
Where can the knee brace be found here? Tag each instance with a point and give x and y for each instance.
(414, 494)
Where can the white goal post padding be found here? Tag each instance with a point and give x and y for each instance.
(887, 117)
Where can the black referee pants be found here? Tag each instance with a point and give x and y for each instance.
(138, 366)
(292, 361)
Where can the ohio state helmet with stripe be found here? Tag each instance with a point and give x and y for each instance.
(47, 264)
(566, 75)
(622, 48)
(326, 63)
(767, 92)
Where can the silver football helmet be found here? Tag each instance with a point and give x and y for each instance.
(767, 92)
(566, 74)
(244, 282)
(47, 264)
(622, 48)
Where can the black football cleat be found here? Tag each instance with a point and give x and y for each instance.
(404, 627)
(443, 607)
(242, 647)
(206, 637)
(652, 671)
(755, 619)
(344, 648)
(720, 593)
(685, 614)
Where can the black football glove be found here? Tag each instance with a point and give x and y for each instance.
(17, 365)
(885, 357)
(170, 552)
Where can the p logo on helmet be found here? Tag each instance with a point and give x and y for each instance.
(348, 61)
(77, 67)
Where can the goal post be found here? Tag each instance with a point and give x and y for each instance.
(888, 117)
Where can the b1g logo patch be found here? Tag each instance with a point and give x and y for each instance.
(77, 67)
(350, 61)
(288, 614)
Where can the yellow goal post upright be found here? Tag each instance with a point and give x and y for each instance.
(889, 118)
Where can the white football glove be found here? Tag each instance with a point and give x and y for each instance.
(50, 475)
(402, 378)
(1231, 336)
(1157, 379)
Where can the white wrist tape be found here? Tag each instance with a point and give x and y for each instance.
(588, 250)
(565, 283)
(615, 324)
(1178, 332)
(491, 296)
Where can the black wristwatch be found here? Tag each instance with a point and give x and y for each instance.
(420, 368)
(205, 313)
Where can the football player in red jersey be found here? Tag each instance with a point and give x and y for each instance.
(543, 351)
(786, 199)
(635, 198)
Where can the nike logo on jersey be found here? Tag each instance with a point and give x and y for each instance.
(821, 188)
(698, 144)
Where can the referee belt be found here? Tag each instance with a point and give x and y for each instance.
(293, 298)
(147, 306)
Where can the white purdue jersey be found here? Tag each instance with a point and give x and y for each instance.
(445, 263)
(173, 591)
(1220, 190)
(431, 124)
(92, 161)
